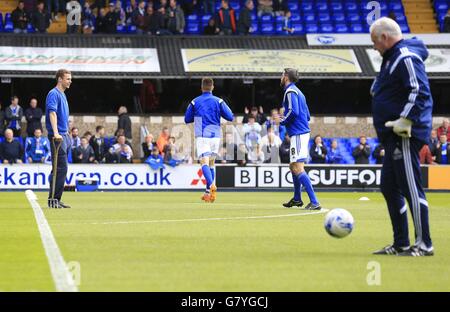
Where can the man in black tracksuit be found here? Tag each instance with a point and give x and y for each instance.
(402, 107)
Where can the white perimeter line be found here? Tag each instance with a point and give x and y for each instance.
(61, 275)
(214, 219)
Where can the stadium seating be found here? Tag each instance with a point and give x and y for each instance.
(308, 16)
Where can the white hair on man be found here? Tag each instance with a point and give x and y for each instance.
(385, 25)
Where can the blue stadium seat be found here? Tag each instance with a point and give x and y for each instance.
(9, 27)
(267, 29)
(192, 18)
(30, 29)
(235, 5)
(307, 6)
(336, 6)
(321, 6)
(295, 18)
(279, 19)
(441, 6)
(131, 29)
(395, 6)
(293, 6)
(8, 18)
(356, 28)
(253, 17)
(353, 18)
(400, 18)
(338, 17)
(327, 28)
(309, 18)
(266, 18)
(299, 29)
(404, 28)
(204, 20)
(121, 29)
(256, 28)
(341, 28)
(324, 17)
(311, 28)
(351, 6)
(193, 28)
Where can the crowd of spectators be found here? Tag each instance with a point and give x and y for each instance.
(262, 140)
(153, 17)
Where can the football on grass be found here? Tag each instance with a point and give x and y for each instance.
(339, 223)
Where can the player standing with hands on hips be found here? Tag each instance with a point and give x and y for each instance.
(57, 124)
(205, 112)
(402, 107)
(296, 120)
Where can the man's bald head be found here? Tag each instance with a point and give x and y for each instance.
(385, 33)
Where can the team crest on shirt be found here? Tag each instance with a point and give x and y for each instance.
(293, 151)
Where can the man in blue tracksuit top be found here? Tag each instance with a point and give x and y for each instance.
(402, 107)
(205, 111)
(57, 124)
(296, 119)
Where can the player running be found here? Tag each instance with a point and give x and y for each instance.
(296, 119)
(205, 111)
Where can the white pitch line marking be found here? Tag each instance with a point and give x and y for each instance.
(213, 219)
(61, 276)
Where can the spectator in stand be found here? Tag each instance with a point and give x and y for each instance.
(245, 18)
(209, 7)
(287, 23)
(425, 156)
(74, 22)
(124, 122)
(120, 132)
(37, 148)
(84, 154)
(333, 155)
(285, 150)
(120, 152)
(2, 120)
(98, 144)
(446, 25)
(147, 145)
(175, 18)
(138, 17)
(74, 138)
(252, 133)
(256, 155)
(443, 151)
(153, 21)
(88, 19)
(280, 7)
(162, 4)
(434, 140)
(163, 139)
(265, 7)
(162, 11)
(13, 116)
(155, 160)
(41, 19)
(274, 122)
(111, 19)
(170, 146)
(211, 29)
(88, 135)
(378, 154)
(444, 129)
(270, 146)
(361, 152)
(52, 7)
(257, 113)
(33, 115)
(226, 19)
(11, 151)
(229, 149)
(318, 151)
(20, 19)
(392, 16)
(242, 155)
(120, 13)
(101, 25)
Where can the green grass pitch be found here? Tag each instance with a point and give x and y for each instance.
(135, 242)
